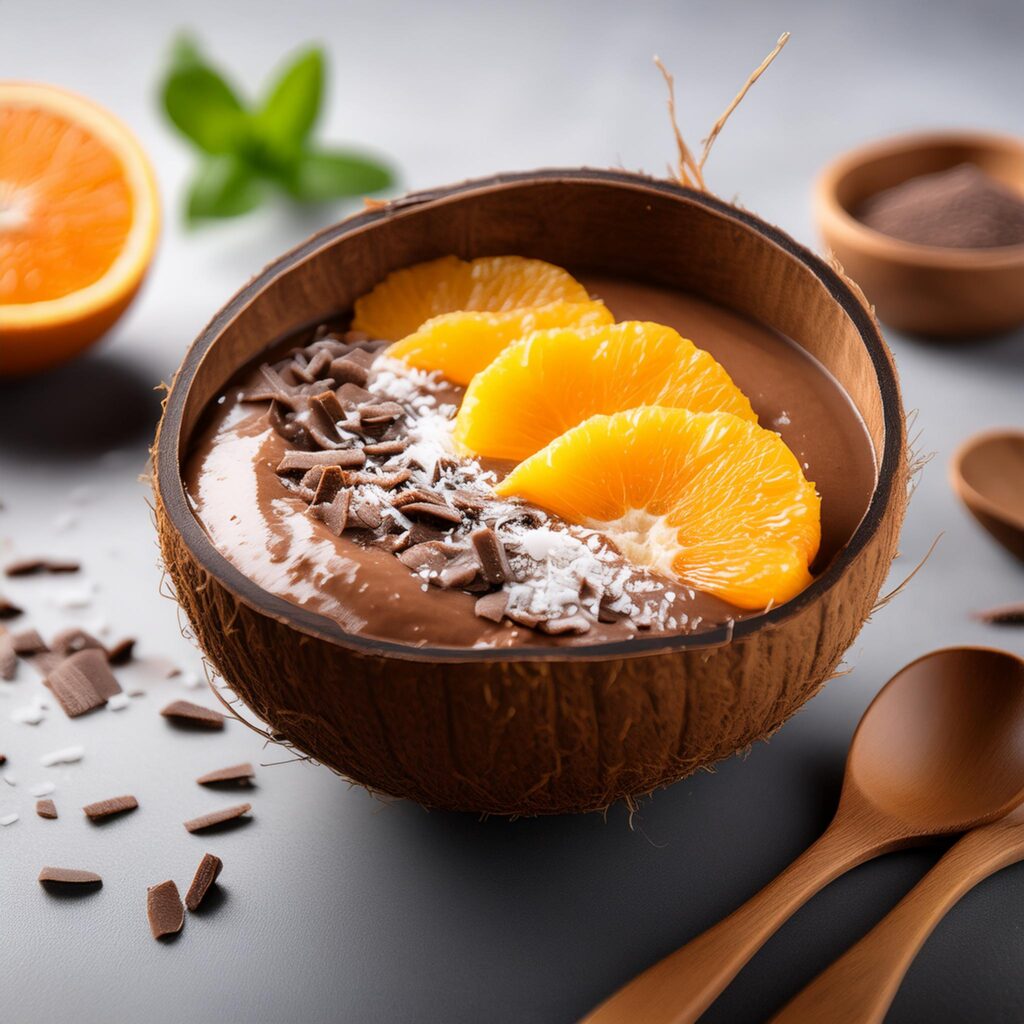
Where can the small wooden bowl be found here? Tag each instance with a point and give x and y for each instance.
(987, 473)
(536, 730)
(923, 289)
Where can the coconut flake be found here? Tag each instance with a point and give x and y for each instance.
(66, 755)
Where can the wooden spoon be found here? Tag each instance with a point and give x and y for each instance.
(987, 473)
(860, 986)
(939, 750)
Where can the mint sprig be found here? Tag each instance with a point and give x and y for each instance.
(250, 152)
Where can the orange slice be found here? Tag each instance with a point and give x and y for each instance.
(461, 344)
(406, 299)
(79, 218)
(710, 499)
(539, 388)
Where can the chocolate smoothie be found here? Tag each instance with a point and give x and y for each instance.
(565, 585)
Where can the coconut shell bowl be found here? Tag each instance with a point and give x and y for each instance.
(923, 289)
(536, 730)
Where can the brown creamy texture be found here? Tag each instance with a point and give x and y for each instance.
(267, 533)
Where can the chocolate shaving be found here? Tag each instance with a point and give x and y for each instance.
(393, 542)
(395, 447)
(1006, 615)
(311, 479)
(355, 337)
(459, 573)
(492, 606)
(380, 412)
(566, 624)
(386, 481)
(288, 428)
(108, 808)
(351, 396)
(522, 617)
(421, 533)
(494, 564)
(32, 566)
(415, 494)
(302, 461)
(82, 682)
(347, 370)
(432, 511)
(206, 874)
(3, 759)
(9, 610)
(328, 411)
(335, 514)
(8, 656)
(122, 652)
(429, 557)
(69, 876)
(243, 774)
(217, 817)
(193, 714)
(366, 513)
(466, 501)
(46, 809)
(70, 641)
(331, 481)
(164, 909)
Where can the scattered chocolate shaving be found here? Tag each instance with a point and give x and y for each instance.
(194, 714)
(347, 370)
(415, 494)
(421, 533)
(351, 396)
(355, 337)
(46, 809)
(68, 641)
(217, 817)
(1005, 615)
(494, 564)
(164, 909)
(327, 411)
(380, 412)
(28, 643)
(9, 610)
(467, 501)
(366, 513)
(302, 461)
(395, 447)
(3, 759)
(122, 652)
(330, 483)
(335, 514)
(103, 809)
(69, 876)
(289, 429)
(432, 510)
(386, 481)
(311, 479)
(492, 606)
(206, 874)
(33, 566)
(522, 617)
(8, 656)
(393, 542)
(566, 624)
(243, 774)
(82, 682)
(459, 573)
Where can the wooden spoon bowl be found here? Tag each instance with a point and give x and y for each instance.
(987, 473)
(537, 730)
(923, 289)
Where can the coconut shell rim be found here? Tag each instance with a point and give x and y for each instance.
(174, 502)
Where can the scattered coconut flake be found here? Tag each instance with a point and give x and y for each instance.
(191, 680)
(66, 755)
(118, 702)
(9, 819)
(30, 714)
(71, 598)
(64, 522)
(10, 779)
(42, 789)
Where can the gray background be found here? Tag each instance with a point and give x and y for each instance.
(336, 907)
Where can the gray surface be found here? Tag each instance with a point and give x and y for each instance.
(335, 907)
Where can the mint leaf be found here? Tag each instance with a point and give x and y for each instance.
(321, 175)
(201, 104)
(289, 112)
(224, 186)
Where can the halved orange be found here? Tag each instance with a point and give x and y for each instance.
(79, 218)
(538, 388)
(710, 499)
(407, 298)
(461, 344)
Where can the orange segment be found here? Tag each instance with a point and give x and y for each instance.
(710, 499)
(461, 344)
(406, 299)
(79, 216)
(552, 380)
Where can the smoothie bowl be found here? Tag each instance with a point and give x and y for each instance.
(534, 493)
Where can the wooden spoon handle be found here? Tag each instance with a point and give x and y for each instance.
(680, 988)
(860, 986)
